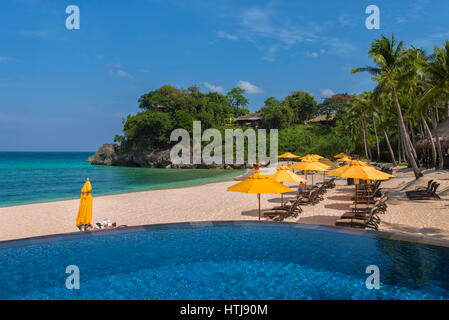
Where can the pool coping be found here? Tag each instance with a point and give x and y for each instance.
(201, 224)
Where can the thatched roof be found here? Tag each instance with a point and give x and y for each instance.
(442, 132)
(249, 117)
(322, 118)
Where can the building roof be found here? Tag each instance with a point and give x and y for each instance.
(442, 131)
(255, 116)
(322, 118)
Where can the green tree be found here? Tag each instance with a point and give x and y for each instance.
(236, 97)
(391, 60)
(303, 105)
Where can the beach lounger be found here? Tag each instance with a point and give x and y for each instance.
(367, 221)
(373, 214)
(430, 186)
(425, 195)
(280, 215)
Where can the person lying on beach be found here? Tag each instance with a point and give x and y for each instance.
(106, 224)
(89, 227)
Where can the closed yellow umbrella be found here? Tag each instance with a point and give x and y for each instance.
(283, 174)
(85, 210)
(259, 183)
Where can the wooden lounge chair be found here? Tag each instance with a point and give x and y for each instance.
(311, 198)
(421, 189)
(426, 195)
(361, 222)
(280, 215)
(372, 214)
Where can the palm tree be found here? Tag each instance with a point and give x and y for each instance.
(438, 70)
(391, 61)
(360, 106)
(380, 106)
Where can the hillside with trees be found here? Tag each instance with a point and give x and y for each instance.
(410, 100)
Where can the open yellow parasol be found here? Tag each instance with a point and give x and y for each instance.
(309, 164)
(345, 159)
(85, 209)
(312, 156)
(341, 155)
(359, 170)
(259, 183)
(328, 163)
(283, 174)
(288, 155)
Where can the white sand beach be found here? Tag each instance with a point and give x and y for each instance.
(212, 202)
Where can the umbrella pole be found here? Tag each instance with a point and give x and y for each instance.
(258, 197)
(312, 181)
(282, 197)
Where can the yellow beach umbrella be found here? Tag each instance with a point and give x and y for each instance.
(328, 163)
(283, 174)
(345, 159)
(341, 155)
(288, 155)
(359, 170)
(85, 209)
(259, 184)
(312, 156)
(309, 164)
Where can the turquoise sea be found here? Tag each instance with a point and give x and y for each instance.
(32, 177)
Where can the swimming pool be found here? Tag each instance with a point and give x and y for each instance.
(222, 260)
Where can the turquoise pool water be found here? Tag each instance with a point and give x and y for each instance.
(30, 177)
(222, 261)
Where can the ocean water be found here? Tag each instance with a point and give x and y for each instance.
(33, 177)
(224, 261)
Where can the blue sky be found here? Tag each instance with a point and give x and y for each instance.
(67, 90)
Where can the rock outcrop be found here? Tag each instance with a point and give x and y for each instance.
(109, 155)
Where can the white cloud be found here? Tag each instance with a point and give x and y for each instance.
(326, 93)
(226, 35)
(311, 54)
(271, 53)
(214, 88)
(34, 34)
(341, 47)
(248, 87)
(121, 73)
(346, 20)
(400, 20)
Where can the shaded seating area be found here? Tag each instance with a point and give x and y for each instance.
(368, 200)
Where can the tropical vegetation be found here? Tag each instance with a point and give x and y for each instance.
(411, 97)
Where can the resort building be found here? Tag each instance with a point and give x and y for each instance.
(441, 133)
(323, 119)
(249, 120)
